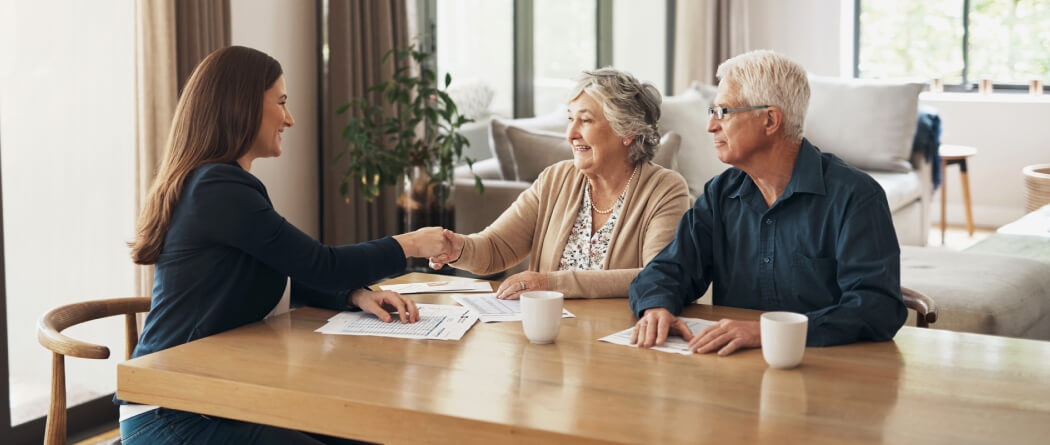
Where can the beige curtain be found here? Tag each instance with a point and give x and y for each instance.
(707, 32)
(201, 26)
(171, 37)
(359, 33)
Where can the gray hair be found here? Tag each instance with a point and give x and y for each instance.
(631, 107)
(766, 78)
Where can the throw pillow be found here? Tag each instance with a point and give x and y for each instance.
(501, 148)
(686, 114)
(535, 150)
(869, 124)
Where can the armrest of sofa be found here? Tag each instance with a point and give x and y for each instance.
(474, 210)
(925, 171)
(485, 169)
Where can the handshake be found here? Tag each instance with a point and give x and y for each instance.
(439, 245)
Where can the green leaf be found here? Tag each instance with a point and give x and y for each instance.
(448, 79)
(478, 185)
(342, 108)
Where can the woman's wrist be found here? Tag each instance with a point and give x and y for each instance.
(462, 245)
(405, 241)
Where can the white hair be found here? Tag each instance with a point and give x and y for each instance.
(631, 107)
(764, 77)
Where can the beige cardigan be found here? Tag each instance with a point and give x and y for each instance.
(540, 221)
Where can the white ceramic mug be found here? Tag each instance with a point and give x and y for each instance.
(541, 315)
(783, 338)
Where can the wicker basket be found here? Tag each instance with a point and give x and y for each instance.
(1036, 186)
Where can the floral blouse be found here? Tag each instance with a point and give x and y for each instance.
(584, 251)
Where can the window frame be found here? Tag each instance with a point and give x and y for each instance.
(523, 35)
(967, 85)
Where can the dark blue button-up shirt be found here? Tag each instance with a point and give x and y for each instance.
(825, 248)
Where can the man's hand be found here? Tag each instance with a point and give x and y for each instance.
(727, 337)
(514, 285)
(425, 242)
(453, 250)
(381, 303)
(654, 326)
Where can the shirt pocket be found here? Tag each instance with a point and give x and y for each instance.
(814, 281)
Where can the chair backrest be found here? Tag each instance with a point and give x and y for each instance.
(49, 333)
(924, 306)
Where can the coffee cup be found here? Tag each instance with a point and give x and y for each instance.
(541, 315)
(783, 338)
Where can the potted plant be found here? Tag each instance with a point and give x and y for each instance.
(411, 139)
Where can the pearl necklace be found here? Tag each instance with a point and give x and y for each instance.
(606, 212)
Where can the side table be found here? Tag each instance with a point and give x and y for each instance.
(955, 155)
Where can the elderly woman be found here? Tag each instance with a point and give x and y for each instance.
(590, 224)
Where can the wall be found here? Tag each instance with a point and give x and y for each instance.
(287, 30)
(1008, 130)
(808, 31)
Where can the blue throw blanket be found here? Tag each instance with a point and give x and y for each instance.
(928, 141)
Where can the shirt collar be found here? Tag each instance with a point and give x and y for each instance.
(807, 176)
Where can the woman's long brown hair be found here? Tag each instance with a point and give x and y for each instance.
(216, 120)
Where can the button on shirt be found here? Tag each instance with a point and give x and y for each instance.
(826, 248)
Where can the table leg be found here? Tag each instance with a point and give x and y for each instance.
(964, 177)
(944, 198)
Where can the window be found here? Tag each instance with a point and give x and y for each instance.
(67, 137)
(476, 45)
(528, 53)
(958, 41)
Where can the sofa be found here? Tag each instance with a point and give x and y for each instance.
(870, 125)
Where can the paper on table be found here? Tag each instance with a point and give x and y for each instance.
(436, 322)
(673, 344)
(440, 286)
(490, 309)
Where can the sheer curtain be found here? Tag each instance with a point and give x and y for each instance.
(356, 35)
(707, 33)
(171, 38)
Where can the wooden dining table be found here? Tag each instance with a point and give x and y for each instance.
(494, 386)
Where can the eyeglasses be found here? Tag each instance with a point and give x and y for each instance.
(720, 112)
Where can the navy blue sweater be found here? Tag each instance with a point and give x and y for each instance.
(227, 256)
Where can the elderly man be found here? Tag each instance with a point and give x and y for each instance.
(788, 228)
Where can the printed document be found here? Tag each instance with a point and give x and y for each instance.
(490, 309)
(436, 322)
(440, 287)
(673, 344)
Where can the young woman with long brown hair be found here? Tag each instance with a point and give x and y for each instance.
(223, 255)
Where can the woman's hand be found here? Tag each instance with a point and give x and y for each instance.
(425, 242)
(455, 250)
(514, 285)
(381, 303)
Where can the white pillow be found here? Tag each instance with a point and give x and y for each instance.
(535, 150)
(686, 114)
(666, 154)
(869, 124)
(556, 120)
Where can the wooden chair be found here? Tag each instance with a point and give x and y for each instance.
(49, 333)
(924, 306)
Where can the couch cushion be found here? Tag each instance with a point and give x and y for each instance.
(982, 293)
(901, 188)
(686, 114)
(556, 121)
(869, 124)
(535, 150)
